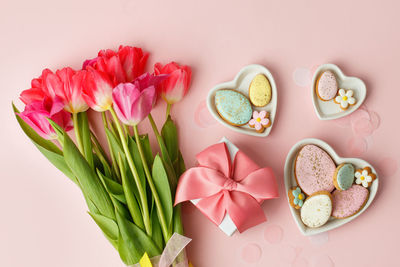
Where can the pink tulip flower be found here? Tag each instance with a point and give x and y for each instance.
(134, 101)
(97, 89)
(71, 93)
(174, 88)
(36, 114)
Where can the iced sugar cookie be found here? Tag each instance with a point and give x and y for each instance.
(260, 120)
(344, 176)
(233, 107)
(365, 177)
(345, 98)
(317, 209)
(314, 170)
(296, 197)
(326, 86)
(349, 202)
(260, 92)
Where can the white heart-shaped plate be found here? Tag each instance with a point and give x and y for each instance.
(290, 182)
(329, 110)
(241, 83)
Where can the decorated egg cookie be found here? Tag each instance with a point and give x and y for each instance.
(296, 197)
(326, 86)
(314, 170)
(233, 107)
(345, 98)
(260, 92)
(317, 209)
(344, 176)
(260, 120)
(349, 202)
(365, 177)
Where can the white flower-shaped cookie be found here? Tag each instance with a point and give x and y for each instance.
(364, 177)
(345, 98)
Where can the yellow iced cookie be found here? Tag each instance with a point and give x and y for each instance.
(260, 91)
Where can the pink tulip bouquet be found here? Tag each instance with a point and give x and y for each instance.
(129, 191)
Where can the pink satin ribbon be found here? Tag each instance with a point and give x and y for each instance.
(236, 189)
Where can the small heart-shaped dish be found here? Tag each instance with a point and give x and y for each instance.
(290, 181)
(329, 110)
(241, 84)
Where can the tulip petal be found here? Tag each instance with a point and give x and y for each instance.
(175, 87)
(123, 97)
(142, 107)
(97, 90)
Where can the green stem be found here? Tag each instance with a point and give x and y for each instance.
(153, 189)
(98, 145)
(168, 110)
(113, 160)
(126, 130)
(77, 132)
(142, 196)
(155, 129)
(102, 159)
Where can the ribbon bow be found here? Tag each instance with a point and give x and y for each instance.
(223, 187)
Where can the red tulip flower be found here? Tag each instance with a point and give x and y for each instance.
(121, 66)
(47, 85)
(176, 86)
(35, 93)
(66, 84)
(71, 92)
(97, 89)
(133, 61)
(36, 114)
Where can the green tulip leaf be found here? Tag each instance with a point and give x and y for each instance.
(148, 153)
(89, 182)
(156, 233)
(170, 136)
(86, 139)
(107, 225)
(115, 144)
(180, 167)
(58, 161)
(134, 242)
(128, 185)
(137, 160)
(177, 220)
(121, 208)
(161, 183)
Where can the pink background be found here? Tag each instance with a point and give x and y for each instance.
(43, 215)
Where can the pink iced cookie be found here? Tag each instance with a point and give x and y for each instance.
(349, 202)
(314, 170)
(327, 86)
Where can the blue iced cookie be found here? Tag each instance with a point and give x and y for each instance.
(233, 107)
(296, 197)
(344, 176)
